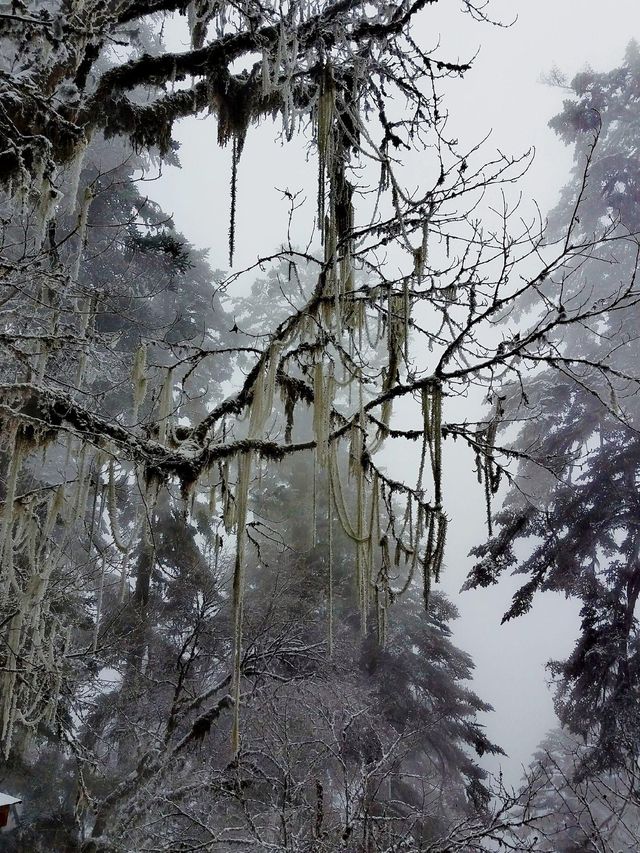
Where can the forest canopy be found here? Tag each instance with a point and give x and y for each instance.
(218, 605)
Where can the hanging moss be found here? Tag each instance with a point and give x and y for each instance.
(242, 493)
(488, 472)
(234, 196)
(139, 379)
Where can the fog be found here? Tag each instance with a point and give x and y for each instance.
(505, 98)
(300, 401)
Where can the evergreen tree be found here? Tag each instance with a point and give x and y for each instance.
(577, 495)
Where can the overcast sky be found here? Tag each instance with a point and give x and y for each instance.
(502, 95)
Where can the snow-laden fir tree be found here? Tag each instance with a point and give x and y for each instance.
(576, 501)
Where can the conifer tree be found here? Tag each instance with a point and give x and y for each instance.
(576, 495)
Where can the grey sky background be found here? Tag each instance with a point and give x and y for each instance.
(503, 95)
